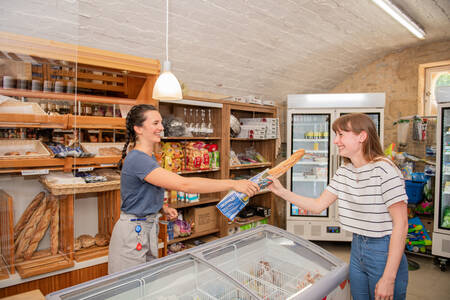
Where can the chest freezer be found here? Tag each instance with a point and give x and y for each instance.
(262, 263)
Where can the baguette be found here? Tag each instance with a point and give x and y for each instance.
(38, 233)
(54, 227)
(27, 214)
(27, 233)
(285, 165)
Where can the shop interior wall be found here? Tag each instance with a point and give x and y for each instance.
(395, 74)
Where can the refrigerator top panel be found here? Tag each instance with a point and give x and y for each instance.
(261, 263)
(347, 100)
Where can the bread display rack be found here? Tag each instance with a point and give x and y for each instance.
(105, 79)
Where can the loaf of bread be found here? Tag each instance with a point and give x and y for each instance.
(86, 240)
(285, 165)
(77, 245)
(31, 153)
(27, 214)
(54, 225)
(27, 233)
(109, 151)
(12, 153)
(101, 239)
(39, 233)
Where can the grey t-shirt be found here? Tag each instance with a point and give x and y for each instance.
(139, 197)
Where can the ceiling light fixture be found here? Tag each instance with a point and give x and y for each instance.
(400, 17)
(167, 86)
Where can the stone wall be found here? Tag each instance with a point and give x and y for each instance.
(395, 74)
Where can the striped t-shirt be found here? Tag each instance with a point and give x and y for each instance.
(364, 195)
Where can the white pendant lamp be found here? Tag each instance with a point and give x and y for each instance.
(167, 86)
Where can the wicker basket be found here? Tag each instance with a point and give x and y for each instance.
(22, 147)
(68, 189)
(95, 148)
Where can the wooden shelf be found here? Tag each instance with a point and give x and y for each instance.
(198, 171)
(95, 122)
(191, 138)
(29, 163)
(60, 121)
(43, 264)
(180, 204)
(66, 97)
(248, 139)
(33, 121)
(251, 166)
(15, 165)
(90, 253)
(193, 236)
(248, 221)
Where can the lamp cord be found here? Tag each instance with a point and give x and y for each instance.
(167, 30)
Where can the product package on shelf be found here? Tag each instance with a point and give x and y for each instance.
(234, 201)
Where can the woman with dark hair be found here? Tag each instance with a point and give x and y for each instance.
(134, 238)
(372, 205)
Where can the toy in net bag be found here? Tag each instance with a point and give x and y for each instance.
(234, 201)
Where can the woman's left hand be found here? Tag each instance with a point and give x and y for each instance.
(170, 212)
(384, 290)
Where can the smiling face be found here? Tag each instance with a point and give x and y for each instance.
(349, 143)
(149, 132)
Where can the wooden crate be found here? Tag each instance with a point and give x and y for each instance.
(43, 262)
(7, 234)
(91, 253)
(108, 204)
(108, 210)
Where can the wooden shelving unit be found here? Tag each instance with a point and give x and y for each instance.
(266, 147)
(127, 80)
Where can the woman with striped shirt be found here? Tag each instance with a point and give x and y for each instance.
(372, 205)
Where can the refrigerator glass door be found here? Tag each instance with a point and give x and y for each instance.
(375, 116)
(444, 205)
(270, 265)
(309, 177)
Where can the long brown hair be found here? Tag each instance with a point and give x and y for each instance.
(357, 123)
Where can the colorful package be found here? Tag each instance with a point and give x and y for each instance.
(234, 201)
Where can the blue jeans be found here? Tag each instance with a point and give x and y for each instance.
(367, 262)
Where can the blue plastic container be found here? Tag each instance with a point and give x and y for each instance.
(414, 190)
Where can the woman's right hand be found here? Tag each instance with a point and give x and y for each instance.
(276, 187)
(246, 186)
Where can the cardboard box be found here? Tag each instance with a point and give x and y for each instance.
(204, 218)
(428, 224)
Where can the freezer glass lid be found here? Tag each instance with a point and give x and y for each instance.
(183, 278)
(271, 265)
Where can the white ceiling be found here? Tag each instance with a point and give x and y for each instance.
(237, 47)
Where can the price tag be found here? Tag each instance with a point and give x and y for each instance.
(107, 165)
(34, 172)
(86, 169)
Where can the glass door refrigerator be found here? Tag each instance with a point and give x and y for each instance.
(309, 121)
(441, 234)
(261, 263)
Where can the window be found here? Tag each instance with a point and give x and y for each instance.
(437, 88)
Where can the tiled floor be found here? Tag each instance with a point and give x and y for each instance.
(428, 282)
